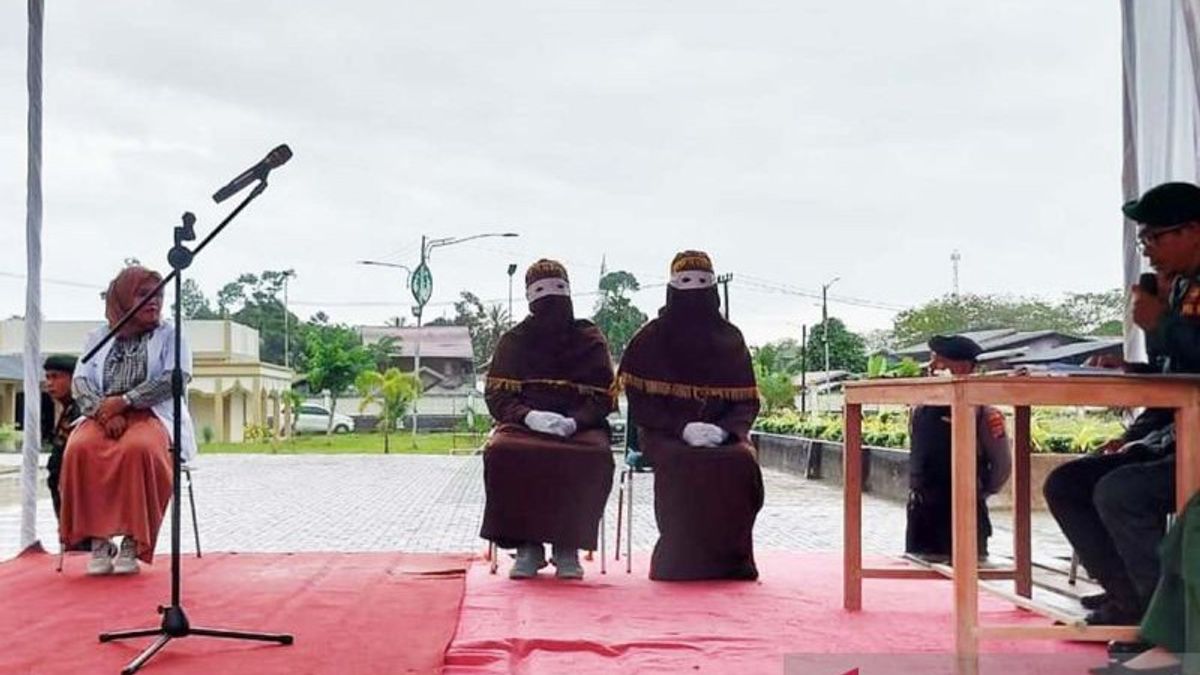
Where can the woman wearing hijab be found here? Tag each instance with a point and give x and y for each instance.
(548, 467)
(116, 477)
(693, 396)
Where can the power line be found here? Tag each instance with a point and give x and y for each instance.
(56, 282)
(766, 285)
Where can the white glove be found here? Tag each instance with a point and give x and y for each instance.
(703, 435)
(565, 427)
(544, 421)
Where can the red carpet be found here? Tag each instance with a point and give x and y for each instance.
(626, 623)
(350, 613)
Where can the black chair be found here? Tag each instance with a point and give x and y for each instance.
(635, 463)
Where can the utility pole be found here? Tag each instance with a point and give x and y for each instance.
(803, 371)
(287, 341)
(825, 329)
(724, 280)
(954, 260)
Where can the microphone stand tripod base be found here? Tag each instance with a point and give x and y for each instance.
(175, 625)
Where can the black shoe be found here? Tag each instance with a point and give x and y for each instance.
(1093, 601)
(1113, 614)
(1123, 651)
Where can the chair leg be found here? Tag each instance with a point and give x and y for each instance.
(629, 526)
(1073, 574)
(62, 555)
(493, 555)
(620, 514)
(195, 520)
(603, 552)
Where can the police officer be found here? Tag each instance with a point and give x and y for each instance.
(1112, 506)
(59, 372)
(928, 532)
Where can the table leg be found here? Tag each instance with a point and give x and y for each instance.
(852, 514)
(1187, 454)
(964, 518)
(1022, 527)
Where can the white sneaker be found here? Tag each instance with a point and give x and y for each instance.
(126, 561)
(101, 563)
(566, 564)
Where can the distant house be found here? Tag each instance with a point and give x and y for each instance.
(1007, 347)
(448, 371)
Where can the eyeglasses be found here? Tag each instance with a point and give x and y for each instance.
(1150, 238)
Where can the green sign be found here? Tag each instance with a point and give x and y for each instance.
(422, 284)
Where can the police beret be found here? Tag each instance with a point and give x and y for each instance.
(62, 363)
(1165, 205)
(955, 347)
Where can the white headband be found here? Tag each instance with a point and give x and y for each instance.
(689, 280)
(547, 287)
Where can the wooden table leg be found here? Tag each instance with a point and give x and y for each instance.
(852, 514)
(964, 518)
(1022, 527)
(1187, 454)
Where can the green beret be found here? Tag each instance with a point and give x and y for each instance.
(955, 347)
(62, 363)
(1165, 205)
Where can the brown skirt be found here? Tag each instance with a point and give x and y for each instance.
(705, 503)
(545, 489)
(116, 487)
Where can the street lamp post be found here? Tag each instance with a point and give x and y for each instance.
(420, 282)
(287, 342)
(825, 328)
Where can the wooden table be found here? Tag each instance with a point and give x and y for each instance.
(964, 394)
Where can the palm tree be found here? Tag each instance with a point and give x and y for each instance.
(393, 391)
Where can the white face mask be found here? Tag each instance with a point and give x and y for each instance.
(547, 287)
(692, 281)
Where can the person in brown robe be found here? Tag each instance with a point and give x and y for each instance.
(116, 474)
(548, 466)
(693, 396)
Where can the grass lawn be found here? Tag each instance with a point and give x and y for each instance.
(371, 444)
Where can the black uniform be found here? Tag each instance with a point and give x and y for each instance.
(1113, 508)
(929, 531)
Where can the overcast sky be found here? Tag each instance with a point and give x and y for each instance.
(794, 141)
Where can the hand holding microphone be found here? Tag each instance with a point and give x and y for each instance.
(1148, 307)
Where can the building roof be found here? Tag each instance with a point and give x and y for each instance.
(445, 342)
(816, 378)
(11, 368)
(997, 343)
(1069, 351)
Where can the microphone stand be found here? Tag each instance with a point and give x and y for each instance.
(175, 622)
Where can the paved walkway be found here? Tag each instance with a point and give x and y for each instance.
(428, 503)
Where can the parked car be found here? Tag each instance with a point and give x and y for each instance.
(314, 419)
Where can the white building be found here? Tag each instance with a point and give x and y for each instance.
(230, 388)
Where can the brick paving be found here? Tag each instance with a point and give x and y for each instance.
(428, 503)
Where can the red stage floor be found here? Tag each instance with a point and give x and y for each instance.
(397, 613)
(350, 613)
(626, 623)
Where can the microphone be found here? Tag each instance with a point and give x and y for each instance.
(1148, 283)
(274, 159)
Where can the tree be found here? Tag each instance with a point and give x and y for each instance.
(383, 351)
(194, 303)
(1079, 313)
(257, 301)
(616, 315)
(774, 380)
(392, 390)
(335, 358)
(847, 350)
